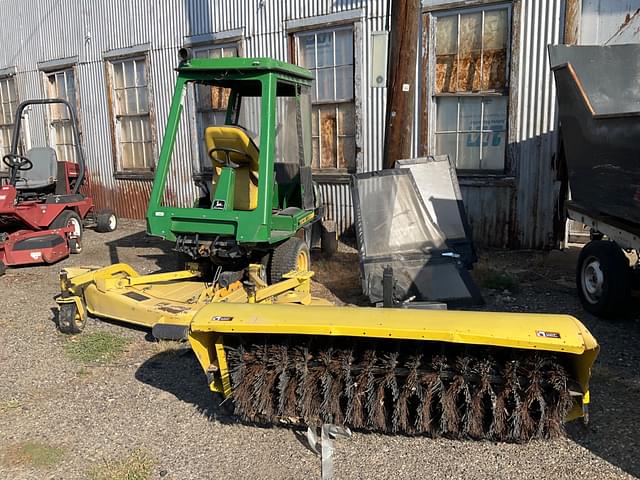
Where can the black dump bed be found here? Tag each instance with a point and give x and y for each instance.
(598, 89)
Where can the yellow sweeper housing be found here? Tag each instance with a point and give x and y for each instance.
(280, 353)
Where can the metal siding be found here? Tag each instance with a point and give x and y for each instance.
(87, 29)
(534, 132)
(610, 22)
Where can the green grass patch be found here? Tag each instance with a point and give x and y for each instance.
(137, 466)
(8, 405)
(95, 347)
(33, 454)
(497, 280)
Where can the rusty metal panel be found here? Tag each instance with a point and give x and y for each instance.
(488, 218)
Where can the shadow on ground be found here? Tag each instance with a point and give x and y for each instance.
(167, 259)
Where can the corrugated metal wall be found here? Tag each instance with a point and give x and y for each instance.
(46, 31)
(609, 22)
(534, 131)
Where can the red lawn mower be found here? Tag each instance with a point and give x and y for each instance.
(42, 212)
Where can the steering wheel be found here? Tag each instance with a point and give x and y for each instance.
(13, 160)
(227, 151)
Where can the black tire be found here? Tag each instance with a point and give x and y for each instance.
(69, 321)
(603, 279)
(285, 257)
(68, 218)
(329, 239)
(3, 268)
(106, 221)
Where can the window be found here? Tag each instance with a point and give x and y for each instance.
(131, 115)
(329, 56)
(211, 102)
(8, 106)
(62, 85)
(471, 87)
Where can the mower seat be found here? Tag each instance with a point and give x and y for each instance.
(246, 182)
(44, 171)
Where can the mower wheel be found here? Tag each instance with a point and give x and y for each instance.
(69, 218)
(69, 320)
(106, 221)
(292, 255)
(603, 278)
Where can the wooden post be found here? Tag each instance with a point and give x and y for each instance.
(403, 44)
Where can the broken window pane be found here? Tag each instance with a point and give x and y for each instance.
(328, 137)
(494, 67)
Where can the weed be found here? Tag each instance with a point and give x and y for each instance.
(137, 466)
(497, 280)
(33, 454)
(95, 347)
(8, 405)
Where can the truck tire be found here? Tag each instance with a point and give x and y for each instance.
(603, 279)
(292, 254)
(106, 221)
(69, 218)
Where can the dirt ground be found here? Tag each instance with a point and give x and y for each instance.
(145, 412)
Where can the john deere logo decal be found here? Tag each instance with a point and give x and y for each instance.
(542, 333)
(218, 204)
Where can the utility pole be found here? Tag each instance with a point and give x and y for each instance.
(403, 44)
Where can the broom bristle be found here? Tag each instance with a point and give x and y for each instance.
(400, 387)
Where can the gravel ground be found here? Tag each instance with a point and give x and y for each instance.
(154, 399)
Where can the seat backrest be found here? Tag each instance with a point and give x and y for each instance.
(44, 171)
(235, 138)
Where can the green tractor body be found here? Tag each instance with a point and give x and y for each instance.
(255, 198)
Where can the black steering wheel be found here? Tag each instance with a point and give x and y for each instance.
(19, 162)
(227, 151)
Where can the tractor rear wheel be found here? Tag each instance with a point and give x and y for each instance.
(106, 221)
(292, 255)
(69, 218)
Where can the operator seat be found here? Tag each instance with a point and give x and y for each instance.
(246, 182)
(44, 171)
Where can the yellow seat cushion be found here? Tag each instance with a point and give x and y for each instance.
(246, 184)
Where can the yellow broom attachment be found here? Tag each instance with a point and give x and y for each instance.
(480, 375)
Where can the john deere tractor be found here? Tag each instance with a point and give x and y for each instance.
(257, 203)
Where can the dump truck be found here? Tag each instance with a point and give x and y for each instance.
(282, 355)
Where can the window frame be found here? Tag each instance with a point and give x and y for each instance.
(46, 74)
(4, 171)
(323, 24)
(198, 165)
(430, 17)
(115, 123)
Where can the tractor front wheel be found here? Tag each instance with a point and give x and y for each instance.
(69, 218)
(292, 255)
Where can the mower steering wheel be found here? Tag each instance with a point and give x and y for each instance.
(227, 151)
(13, 160)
